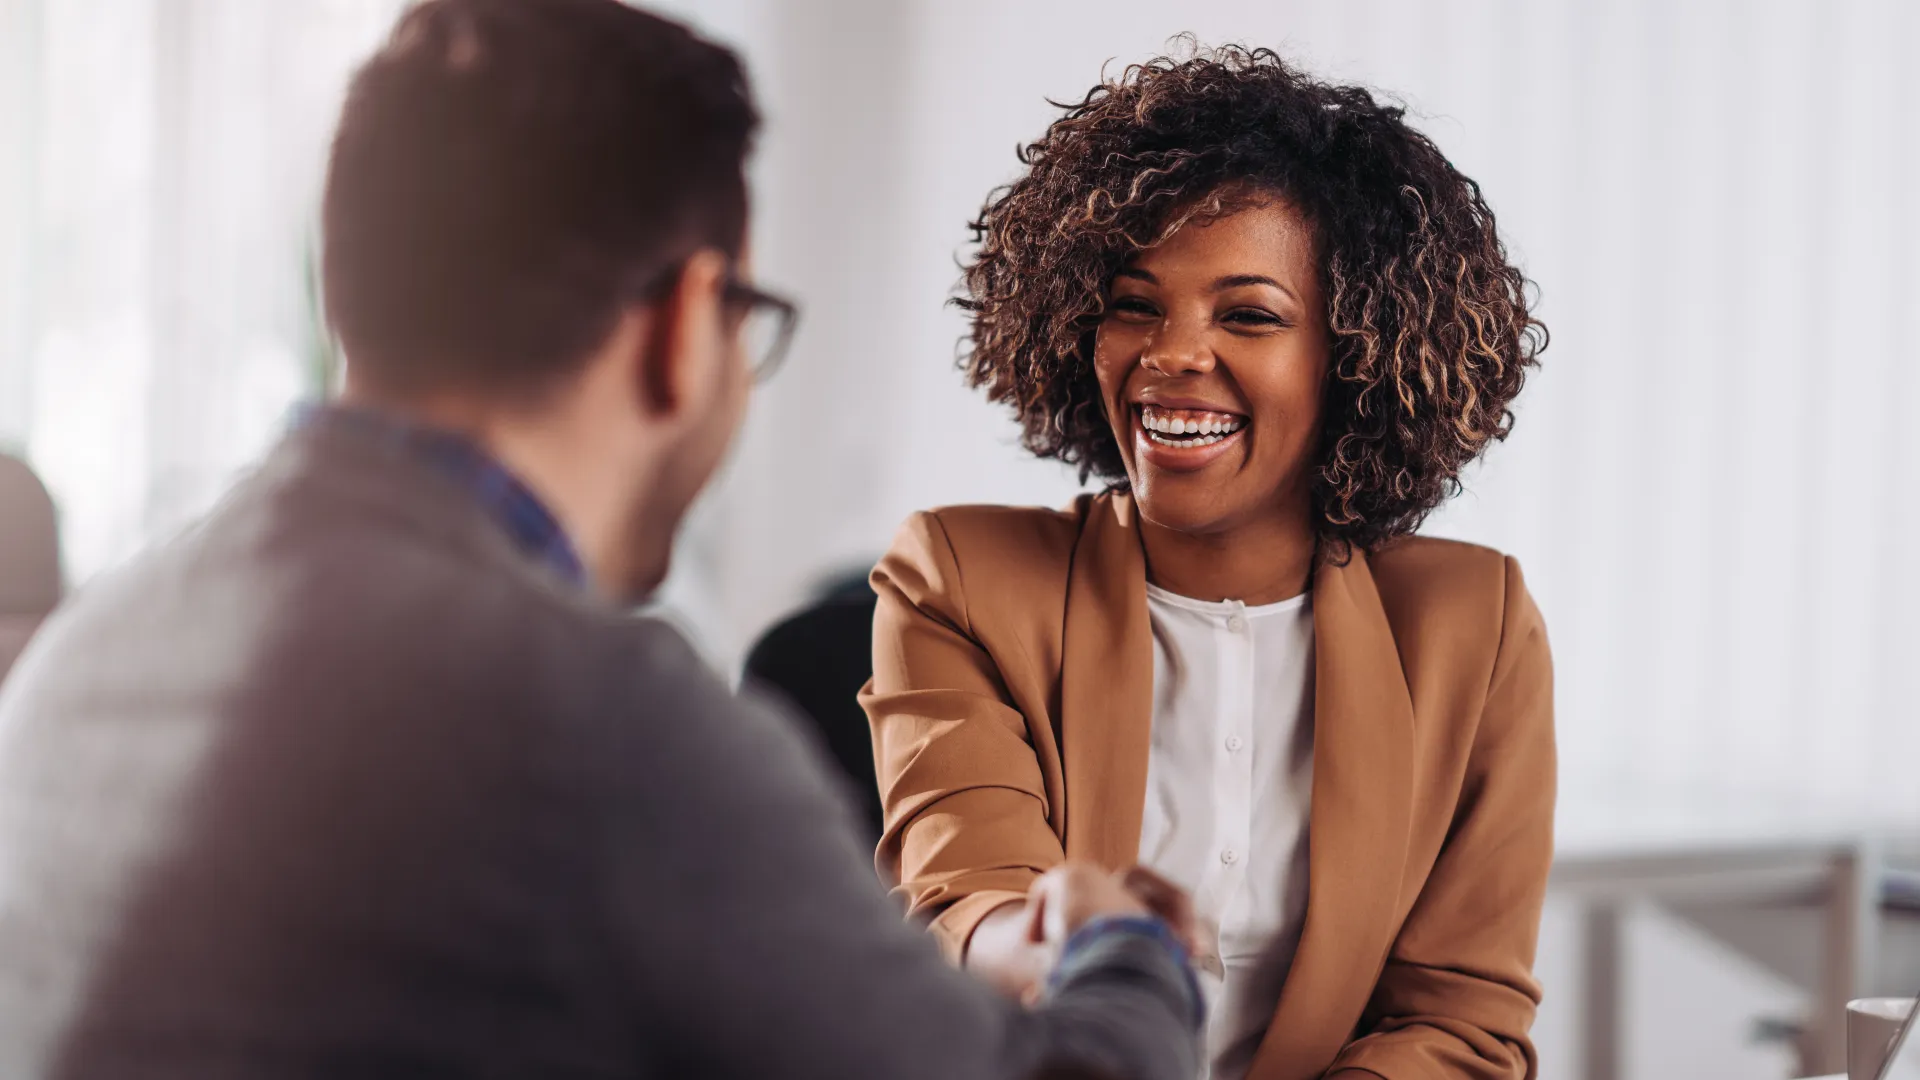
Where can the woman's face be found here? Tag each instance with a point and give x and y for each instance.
(1210, 360)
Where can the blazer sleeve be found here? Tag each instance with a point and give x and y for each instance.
(1457, 995)
(965, 805)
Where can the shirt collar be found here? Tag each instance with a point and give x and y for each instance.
(527, 521)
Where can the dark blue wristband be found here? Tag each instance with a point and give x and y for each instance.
(1151, 927)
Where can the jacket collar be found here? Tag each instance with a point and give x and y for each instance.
(1360, 821)
(1106, 686)
(507, 500)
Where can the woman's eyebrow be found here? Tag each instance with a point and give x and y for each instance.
(1235, 281)
(1137, 273)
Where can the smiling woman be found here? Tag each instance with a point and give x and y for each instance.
(1279, 323)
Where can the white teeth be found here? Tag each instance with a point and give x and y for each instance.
(1167, 441)
(1197, 432)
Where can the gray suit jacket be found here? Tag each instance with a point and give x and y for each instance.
(341, 784)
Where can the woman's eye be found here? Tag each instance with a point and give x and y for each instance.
(1253, 319)
(1133, 306)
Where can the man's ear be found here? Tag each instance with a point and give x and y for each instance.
(685, 342)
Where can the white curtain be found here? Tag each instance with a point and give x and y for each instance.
(159, 165)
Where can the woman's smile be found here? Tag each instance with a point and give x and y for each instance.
(1185, 440)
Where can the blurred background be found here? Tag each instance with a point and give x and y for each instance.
(1712, 484)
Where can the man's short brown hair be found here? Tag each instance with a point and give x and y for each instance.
(509, 175)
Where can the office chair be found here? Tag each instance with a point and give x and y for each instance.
(29, 558)
(817, 660)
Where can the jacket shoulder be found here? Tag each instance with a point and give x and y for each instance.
(1430, 558)
(1001, 535)
(1469, 587)
(985, 560)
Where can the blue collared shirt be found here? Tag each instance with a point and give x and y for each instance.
(529, 523)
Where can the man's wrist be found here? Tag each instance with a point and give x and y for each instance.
(1144, 924)
(1107, 928)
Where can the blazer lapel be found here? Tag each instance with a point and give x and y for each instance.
(1106, 687)
(1358, 828)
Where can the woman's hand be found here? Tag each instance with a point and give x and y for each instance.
(1068, 897)
(1015, 946)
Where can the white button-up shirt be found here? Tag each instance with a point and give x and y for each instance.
(1228, 783)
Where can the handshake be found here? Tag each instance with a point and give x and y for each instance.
(1016, 945)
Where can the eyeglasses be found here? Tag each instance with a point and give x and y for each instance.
(766, 321)
(766, 326)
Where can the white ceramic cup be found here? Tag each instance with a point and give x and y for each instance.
(1871, 1025)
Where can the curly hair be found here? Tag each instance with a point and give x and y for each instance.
(1431, 337)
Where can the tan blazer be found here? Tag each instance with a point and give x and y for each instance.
(1011, 704)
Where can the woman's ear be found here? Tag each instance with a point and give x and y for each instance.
(685, 349)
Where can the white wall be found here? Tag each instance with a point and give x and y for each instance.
(1709, 485)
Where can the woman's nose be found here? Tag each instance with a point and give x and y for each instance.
(1178, 347)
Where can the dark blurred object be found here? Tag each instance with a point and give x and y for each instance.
(29, 558)
(818, 659)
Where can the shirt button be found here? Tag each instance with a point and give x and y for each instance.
(1237, 624)
(1229, 856)
(1233, 743)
